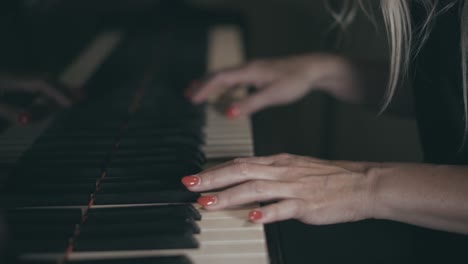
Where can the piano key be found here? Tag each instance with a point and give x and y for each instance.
(133, 186)
(160, 171)
(47, 199)
(152, 260)
(163, 196)
(157, 227)
(70, 216)
(142, 212)
(59, 187)
(53, 231)
(39, 245)
(35, 262)
(58, 172)
(158, 241)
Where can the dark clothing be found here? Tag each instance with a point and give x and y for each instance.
(438, 88)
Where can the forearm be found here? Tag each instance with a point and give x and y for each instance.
(433, 196)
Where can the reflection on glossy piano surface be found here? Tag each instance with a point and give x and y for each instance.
(100, 183)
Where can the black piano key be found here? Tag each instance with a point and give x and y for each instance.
(59, 187)
(136, 228)
(55, 231)
(159, 170)
(22, 261)
(135, 186)
(178, 151)
(172, 180)
(162, 140)
(39, 245)
(162, 196)
(80, 152)
(137, 213)
(54, 178)
(165, 158)
(25, 199)
(64, 162)
(58, 173)
(144, 242)
(65, 216)
(150, 260)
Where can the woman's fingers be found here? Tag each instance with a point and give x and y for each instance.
(282, 210)
(235, 173)
(249, 192)
(220, 82)
(255, 102)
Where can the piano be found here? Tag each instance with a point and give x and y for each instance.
(100, 182)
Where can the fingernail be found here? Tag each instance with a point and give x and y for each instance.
(255, 215)
(24, 118)
(189, 181)
(233, 111)
(206, 200)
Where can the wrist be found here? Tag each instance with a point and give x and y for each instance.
(332, 74)
(373, 203)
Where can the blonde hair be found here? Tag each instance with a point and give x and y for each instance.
(404, 41)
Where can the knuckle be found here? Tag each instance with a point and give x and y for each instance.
(242, 167)
(259, 187)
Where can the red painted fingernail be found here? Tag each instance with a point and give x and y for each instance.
(255, 215)
(190, 181)
(207, 200)
(233, 111)
(24, 118)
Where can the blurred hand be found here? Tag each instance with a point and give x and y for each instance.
(279, 81)
(32, 88)
(311, 190)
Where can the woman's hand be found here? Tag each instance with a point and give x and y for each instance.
(24, 91)
(311, 190)
(279, 81)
